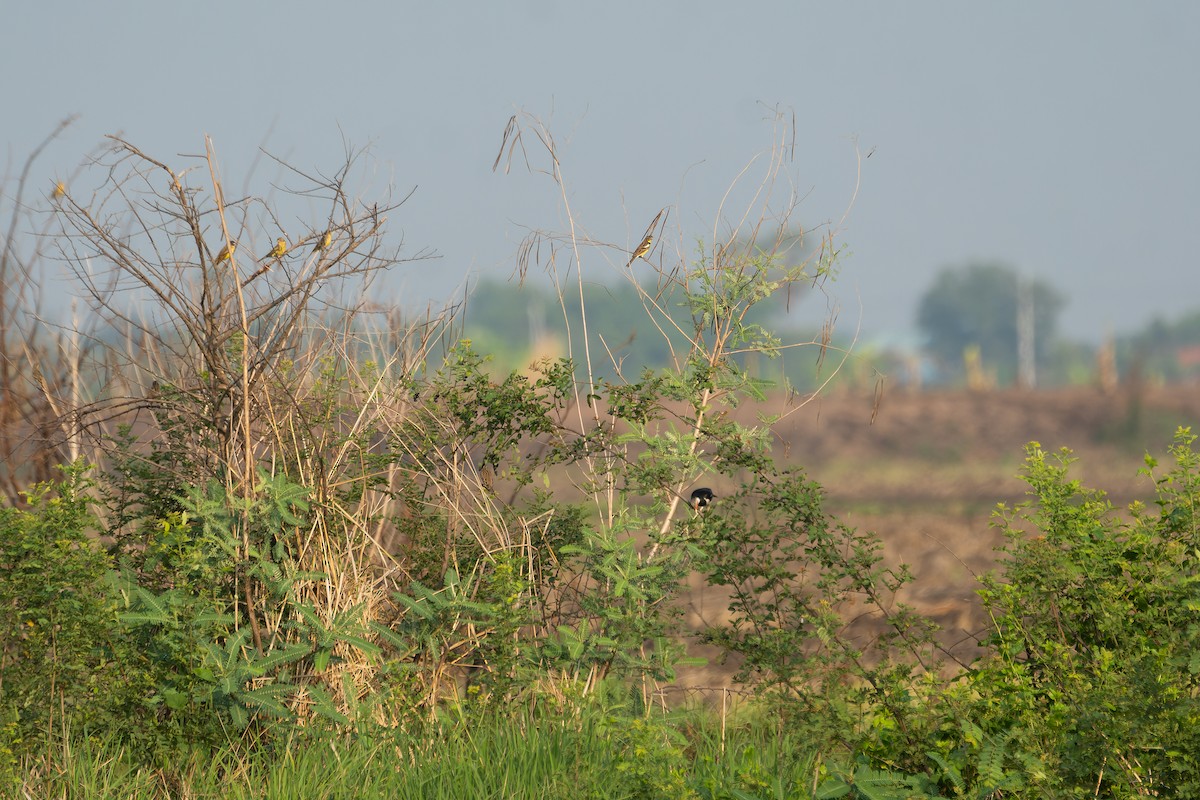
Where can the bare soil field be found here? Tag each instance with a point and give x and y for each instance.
(927, 473)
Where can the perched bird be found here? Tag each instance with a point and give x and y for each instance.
(60, 191)
(325, 240)
(278, 250)
(702, 497)
(642, 249)
(226, 251)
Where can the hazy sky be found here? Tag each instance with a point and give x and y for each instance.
(1062, 138)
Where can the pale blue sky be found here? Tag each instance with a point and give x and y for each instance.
(1063, 138)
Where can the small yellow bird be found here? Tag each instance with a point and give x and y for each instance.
(226, 251)
(278, 250)
(60, 191)
(642, 249)
(324, 241)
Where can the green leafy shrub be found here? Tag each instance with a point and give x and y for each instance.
(1093, 666)
(796, 577)
(62, 657)
(216, 611)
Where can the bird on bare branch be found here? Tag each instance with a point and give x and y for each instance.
(642, 249)
(281, 247)
(226, 251)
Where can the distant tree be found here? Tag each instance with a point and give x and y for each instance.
(1164, 349)
(505, 320)
(976, 304)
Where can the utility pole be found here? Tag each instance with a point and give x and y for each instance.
(1026, 353)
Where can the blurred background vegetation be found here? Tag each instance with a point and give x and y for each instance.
(970, 308)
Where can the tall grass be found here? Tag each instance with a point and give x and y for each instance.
(590, 753)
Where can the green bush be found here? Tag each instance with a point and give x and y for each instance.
(1093, 667)
(62, 658)
(796, 577)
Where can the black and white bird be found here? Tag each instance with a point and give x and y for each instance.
(702, 497)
